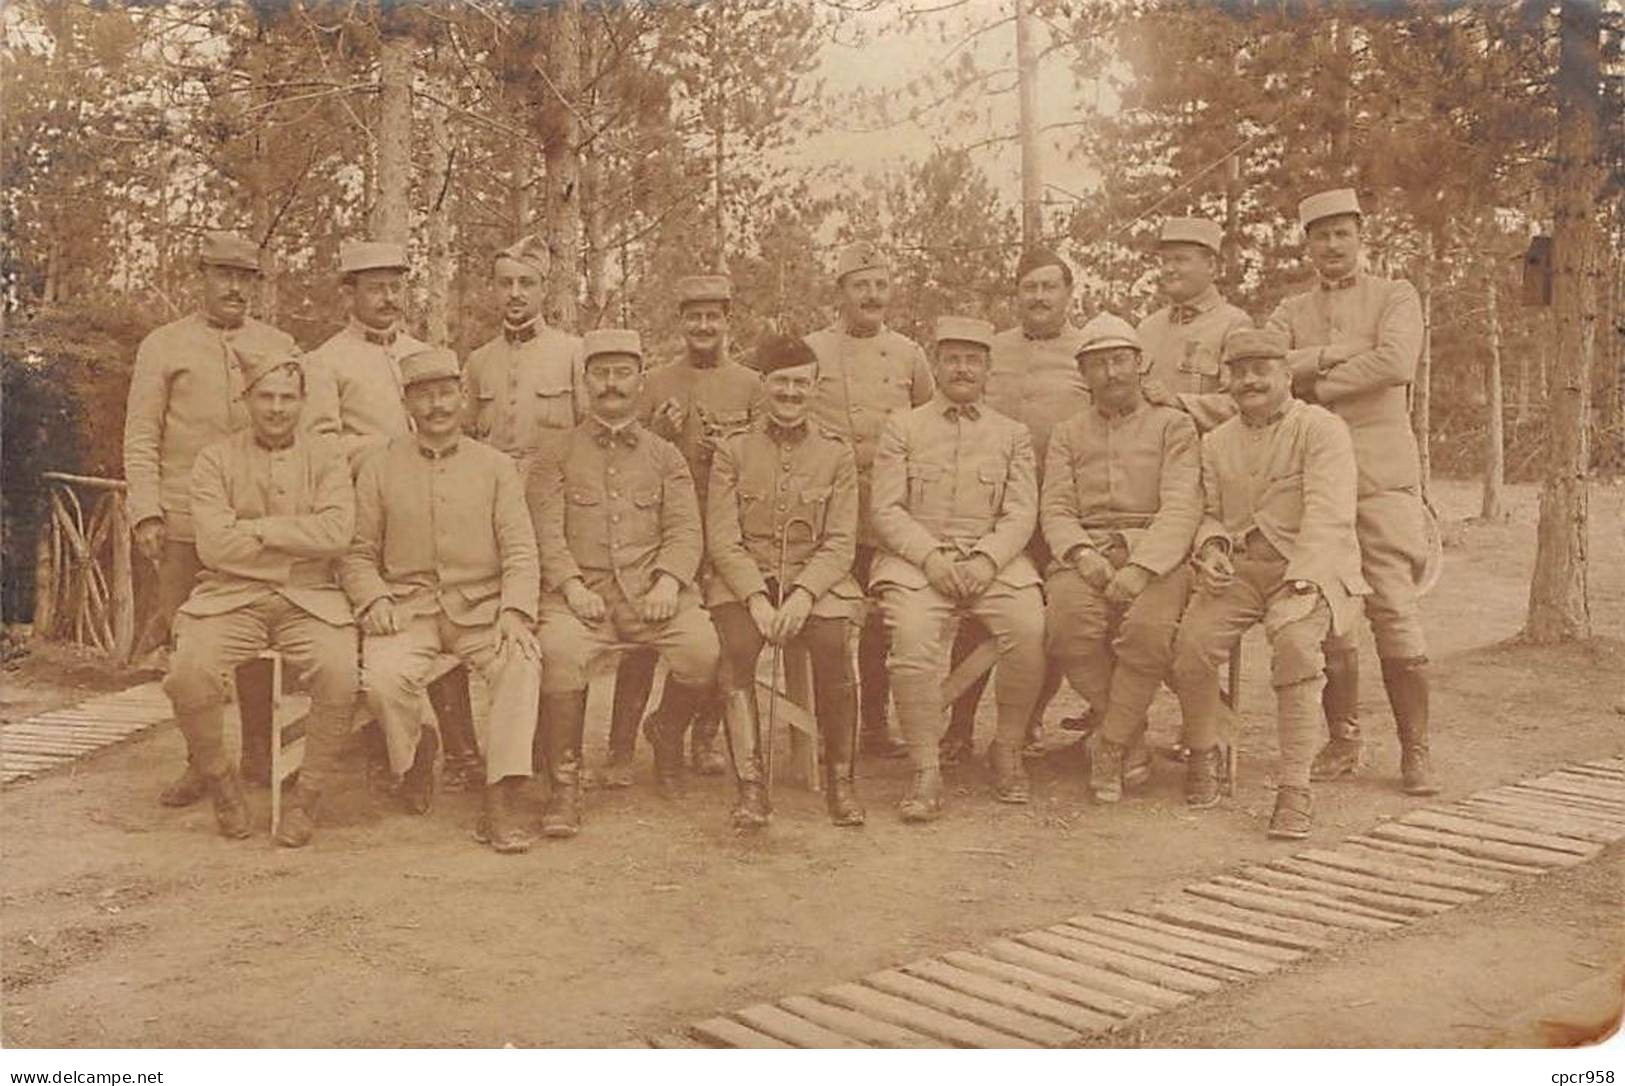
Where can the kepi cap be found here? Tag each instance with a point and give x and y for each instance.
(1204, 232)
(1033, 259)
(611, 341)
(1323, 205)
(1104, 331)
(429, 364)
(858, 256)
(964, 329)
(776, 352)
(255, 366)
(704, 288)
(1245, 343)
(360, 256)
(529, 250)
(229, 250)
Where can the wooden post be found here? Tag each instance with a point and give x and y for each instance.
(123, 583)
(1032, 180)
(45, 570)
(1494, 439)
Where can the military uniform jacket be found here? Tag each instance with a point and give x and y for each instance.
(718, 401)
(1036, 382)
(521, 386)
(1370, 391)
(946, 479)
(1293, 480)
(300, 500)
(1183, 346)
(614, 507)
(442, 531)
(355, 389)
(1135, 477)
(768, 481)
(186, 392)
(862, 380)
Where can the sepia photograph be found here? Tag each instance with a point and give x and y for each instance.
(1092, 527)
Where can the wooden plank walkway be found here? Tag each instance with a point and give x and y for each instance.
(1089, 975)
(62, 736)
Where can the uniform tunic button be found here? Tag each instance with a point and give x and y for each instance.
(615, 493)
(615, 518)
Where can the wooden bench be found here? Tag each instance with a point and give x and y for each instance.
(273, 724)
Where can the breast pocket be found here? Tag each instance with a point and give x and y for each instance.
(644, 516)
(812, 505)
(924, 484)
(553, 408)
(991, 478)
(485, 412)
(1282, 498)
(1201, 359)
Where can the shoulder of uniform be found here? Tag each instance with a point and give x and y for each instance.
(1156, 316)
(1170, 416)
(831, 434)
(1316, 417)
(271, 332)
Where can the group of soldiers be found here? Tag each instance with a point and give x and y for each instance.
(1109, 505)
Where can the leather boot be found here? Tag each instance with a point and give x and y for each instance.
(418, 783)
(1407, 683)
(500, 824)
(1106, 768)
(1340, 757)
(924, 800)
(665, 727)
(1292, 818)
(1203, 770)
(741, 721)
(634, 677)
(186, 789)
(298, 823)
(230, 809)
(565, 717)
(1009, 775)
(703, 756)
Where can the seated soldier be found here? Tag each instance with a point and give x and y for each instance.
(444, 561)
(619, 529)
(782, 522)
(273, 510)
(1122, 499)
(1276, 546)
(955, 504)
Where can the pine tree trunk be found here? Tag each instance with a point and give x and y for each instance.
(1492, 508)
(1032, 177)
(1422, 388)
(391, 219)
(438, 225)
(1559, 609)
(562, 204)
(592, 192)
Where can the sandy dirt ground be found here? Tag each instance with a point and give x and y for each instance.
(126, 924)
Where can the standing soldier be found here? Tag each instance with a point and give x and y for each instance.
(444, 561)
(1276, 546)
(187, 391)
(356, 389)
(694, 402)
(866, 371)
(527, 381)
(1183, 340)
(620, 536)
(1122, 497)
(955, 505)
(274, 512)
(1035, 380)
(1354, 341)
(782, 522)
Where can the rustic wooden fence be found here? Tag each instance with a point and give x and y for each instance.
(83, 587)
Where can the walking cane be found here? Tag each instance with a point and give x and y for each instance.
(778, 647)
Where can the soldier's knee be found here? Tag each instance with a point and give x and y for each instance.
(1191, 662)
(1145, 644)
(194, 681)
(1297, 654)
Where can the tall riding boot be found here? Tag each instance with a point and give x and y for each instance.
(703, 756)
(565, 716)
(665, 727)
(840, 795)
(634, 677)
(959, 740)
(1407, 683)
(1340, 756)
(874, 692)
(743, 725)
(919, 710)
